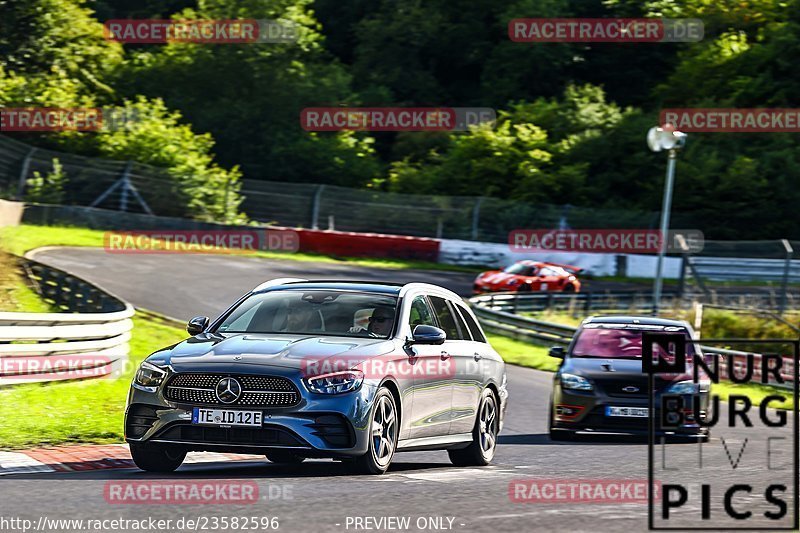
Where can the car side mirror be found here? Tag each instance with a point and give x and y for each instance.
(558, 352)
(423, 334)
(197, 325)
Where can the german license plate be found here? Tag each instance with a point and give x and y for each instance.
(634, 412)
(226, 417)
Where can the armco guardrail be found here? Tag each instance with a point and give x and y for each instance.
(537, 331)
(629, 301)
(39, 347)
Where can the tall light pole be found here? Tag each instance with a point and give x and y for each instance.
(659, 139)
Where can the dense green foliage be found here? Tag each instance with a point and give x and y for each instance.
(572, 117)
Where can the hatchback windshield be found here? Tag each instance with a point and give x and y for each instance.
(317, 312)
(613, 342)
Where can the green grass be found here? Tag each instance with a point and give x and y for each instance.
(20, 239)
(755, 391)
(520, 353)
(16, 294)
(82, 411)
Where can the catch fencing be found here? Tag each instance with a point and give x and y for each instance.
(134, 187)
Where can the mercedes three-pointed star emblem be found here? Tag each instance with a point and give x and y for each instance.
(228, 390)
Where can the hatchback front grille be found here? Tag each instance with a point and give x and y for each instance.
(257, 391)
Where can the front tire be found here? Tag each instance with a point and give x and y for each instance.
(382, 438)
(484, 435)
(156, 458)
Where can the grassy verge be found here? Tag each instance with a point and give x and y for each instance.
(78, 412)
(16, 294)
(20, 239)
(756, 392)
(520, 353)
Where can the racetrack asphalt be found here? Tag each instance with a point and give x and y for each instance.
(320, 496)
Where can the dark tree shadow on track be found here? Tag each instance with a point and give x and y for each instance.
(533, 439)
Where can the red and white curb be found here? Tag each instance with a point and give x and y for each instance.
(93, 457)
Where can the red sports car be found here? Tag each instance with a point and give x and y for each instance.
(526, 276)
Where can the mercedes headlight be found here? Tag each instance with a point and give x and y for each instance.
(571, 381)
(336, 382)
(149, 377)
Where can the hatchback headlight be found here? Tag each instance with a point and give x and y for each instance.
(149, 377)
(336, 382)
(571, 381)
(688, 387)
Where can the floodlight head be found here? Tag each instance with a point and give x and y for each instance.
(665, 138)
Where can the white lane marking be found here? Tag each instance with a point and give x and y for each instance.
(214, 457)
(455, 475)
(19, 463)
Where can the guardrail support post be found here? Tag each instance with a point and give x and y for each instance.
(698, 319)
(315, 207)
(476, 216)
(23, 174)
(787, 265)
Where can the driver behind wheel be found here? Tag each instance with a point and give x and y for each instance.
(380, 323)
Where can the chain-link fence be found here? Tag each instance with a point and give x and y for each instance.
(451, 217)
(123, 185)
(133, 187)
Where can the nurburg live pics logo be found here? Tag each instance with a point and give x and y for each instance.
(743, 501)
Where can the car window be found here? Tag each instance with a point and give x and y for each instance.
(420, 314)
(462, 326)
(552, 271)
(616, 341)
(521, 269)
(445, 317)
(319, 312)
(473, 326)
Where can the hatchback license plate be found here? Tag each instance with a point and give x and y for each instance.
(226, 417)
(635, 412)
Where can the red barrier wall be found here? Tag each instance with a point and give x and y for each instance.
(348, 244)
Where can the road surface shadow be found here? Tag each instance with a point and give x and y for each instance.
(532, 439)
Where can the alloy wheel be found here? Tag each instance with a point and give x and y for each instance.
(487, 425)
(384, 431)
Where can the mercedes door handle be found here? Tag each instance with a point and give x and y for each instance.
(477, 356)
(445, 355)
